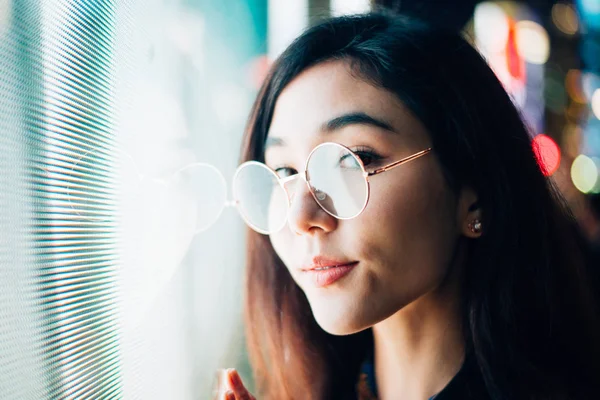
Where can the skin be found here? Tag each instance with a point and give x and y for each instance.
(408, 242)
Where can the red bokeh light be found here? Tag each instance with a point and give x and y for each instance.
(547, 154)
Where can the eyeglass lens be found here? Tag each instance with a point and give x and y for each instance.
(335, 177)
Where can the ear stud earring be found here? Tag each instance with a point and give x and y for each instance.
(475, 226)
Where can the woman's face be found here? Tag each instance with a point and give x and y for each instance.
(402, 244)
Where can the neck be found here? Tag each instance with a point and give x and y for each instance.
(420, 349)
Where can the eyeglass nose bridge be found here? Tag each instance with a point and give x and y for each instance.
(285, 183)
(315, 193)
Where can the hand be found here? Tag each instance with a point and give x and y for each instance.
(231, 386)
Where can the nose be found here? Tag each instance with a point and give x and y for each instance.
(305, 216)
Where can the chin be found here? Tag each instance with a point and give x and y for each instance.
(338, 322)
(338, 329)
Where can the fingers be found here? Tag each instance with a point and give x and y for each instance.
(239, 390)
(229, 395)
(221, 385)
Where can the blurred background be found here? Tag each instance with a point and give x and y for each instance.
(121, 271)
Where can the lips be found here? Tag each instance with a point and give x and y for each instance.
(324, 271)
(322, 262)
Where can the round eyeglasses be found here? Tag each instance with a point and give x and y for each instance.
(335, 176)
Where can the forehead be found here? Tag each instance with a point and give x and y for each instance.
(326, 91)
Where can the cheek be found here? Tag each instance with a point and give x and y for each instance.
(282, 244)
(278, 244)
(412, 229)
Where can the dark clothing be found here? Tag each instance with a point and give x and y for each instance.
(467, 384)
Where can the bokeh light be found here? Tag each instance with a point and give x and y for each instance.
(573, 86)
(590, 143)
(584, 173)
(565, 18)
(596, 103)
(571, 139)
(589, 13)
(547, 154)
(533, 42)
(491, 27)
(590, 6)
(258, 70)
(342, 7)
(286, 20)
(589, 83)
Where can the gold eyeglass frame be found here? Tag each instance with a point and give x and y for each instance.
(304, 175)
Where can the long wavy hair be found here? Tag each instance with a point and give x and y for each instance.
(529, 316)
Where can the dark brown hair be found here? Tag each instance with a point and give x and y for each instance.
(529, 315)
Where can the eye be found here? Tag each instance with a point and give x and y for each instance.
(284, 172)
(366, 155)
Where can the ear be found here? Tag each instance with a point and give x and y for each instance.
(469, 213)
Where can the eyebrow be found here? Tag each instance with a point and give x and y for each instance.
(355, 118)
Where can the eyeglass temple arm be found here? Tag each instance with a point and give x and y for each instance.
(399, 162)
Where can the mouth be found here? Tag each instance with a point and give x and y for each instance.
(324, 272)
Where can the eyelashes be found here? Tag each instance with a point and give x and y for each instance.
(367, 155)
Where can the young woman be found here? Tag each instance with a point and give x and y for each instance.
(417, 251)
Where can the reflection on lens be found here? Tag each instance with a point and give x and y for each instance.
(204, 185)
(337, 181)
(262, 201)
